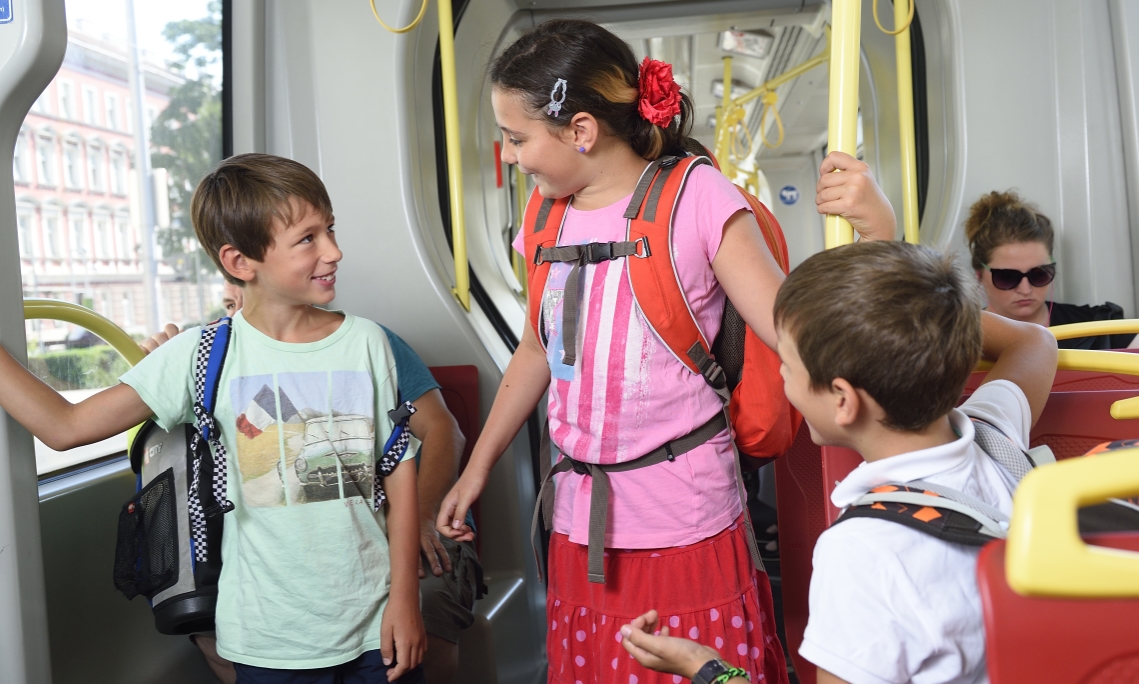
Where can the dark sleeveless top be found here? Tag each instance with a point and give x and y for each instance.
(1063, 314)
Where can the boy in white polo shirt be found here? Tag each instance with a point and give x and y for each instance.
(877, 341)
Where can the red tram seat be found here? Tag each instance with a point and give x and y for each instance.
(1076, 419)
(459, 386)
(1059, 640)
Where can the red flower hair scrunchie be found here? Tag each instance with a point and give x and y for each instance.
(659, 94)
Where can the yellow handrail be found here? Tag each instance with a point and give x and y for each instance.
(462, 289)
(82, 316)
(414, 22)
(731, 111)
(1093, 328)
(842, 129)
(789, 75)
(1122, 363)
(723, 114)
(903, 14)
(1044, 555)
(516, 259)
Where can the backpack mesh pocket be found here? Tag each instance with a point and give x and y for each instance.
(146, 552)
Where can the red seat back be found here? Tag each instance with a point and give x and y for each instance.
(459, 386)
(1075, 420)
(1057, 640)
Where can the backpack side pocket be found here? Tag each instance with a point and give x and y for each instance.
(146, 551)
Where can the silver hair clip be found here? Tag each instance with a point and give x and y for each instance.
(555, 105)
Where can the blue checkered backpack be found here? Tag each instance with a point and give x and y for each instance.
(169, 538)
(170, 531)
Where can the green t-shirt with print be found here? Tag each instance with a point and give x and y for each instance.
(306, 569)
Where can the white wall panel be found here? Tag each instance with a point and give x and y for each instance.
(1041, 115)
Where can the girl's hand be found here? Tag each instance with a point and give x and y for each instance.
(402, 638)
(847, 189)
(664, 653)
(453, 510)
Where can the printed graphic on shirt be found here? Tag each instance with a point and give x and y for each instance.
(599, 405)
(304, 437)
(552, 306)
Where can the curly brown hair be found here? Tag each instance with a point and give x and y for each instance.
(1001, 218)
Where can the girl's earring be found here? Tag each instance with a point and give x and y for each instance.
(581, 149)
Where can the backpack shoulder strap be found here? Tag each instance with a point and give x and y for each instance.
(772, 232)
(653, 279)
(541, 227)
(394, 448)
(208, 363)
(939, 511)
(1001, 448)
(203, 502)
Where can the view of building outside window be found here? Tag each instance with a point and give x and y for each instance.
(82, 209)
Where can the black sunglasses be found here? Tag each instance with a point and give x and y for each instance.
(1009, 278)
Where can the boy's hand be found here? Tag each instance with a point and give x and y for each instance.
(159, 338)
(433, 551)
(402, 638)
(846, 188)
(664, 653)
(453, 510)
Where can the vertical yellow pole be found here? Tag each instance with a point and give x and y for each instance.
(846, 20)
(454, 154)
(722, 139)
(906, 122)
(517, 260)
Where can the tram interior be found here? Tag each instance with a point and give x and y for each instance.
(1037, 95)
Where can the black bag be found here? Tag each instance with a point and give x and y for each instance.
(169, 537)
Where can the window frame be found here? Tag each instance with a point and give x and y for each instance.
(104, 246)
(20, 159)
(65, 99)
(77, 214)
(74, 169)
(26, 230)
(90, 111)
(47, 167)
(96, 163)
(50, 218)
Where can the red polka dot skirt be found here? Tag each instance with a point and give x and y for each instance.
(709, 592)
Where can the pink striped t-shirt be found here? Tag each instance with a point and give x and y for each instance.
(627, 394)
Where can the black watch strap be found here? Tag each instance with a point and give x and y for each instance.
(712, 669)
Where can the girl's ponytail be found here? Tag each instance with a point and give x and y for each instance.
(640, 104)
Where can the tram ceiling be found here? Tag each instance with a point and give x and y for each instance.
(655, 19)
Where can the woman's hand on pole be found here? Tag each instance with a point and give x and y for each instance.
(846, 188)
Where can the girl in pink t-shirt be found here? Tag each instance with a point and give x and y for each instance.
(583, 120)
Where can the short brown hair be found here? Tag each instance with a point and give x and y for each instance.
(1001, 218)
(900, 321)
(236, 203)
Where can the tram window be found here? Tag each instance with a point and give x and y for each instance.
(80, 219)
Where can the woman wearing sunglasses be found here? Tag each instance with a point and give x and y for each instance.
(1011, 246)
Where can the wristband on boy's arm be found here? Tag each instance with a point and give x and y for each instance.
(717, 671)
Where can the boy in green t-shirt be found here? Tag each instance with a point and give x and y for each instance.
(313, 579)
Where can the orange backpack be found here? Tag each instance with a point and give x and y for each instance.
(742, 370)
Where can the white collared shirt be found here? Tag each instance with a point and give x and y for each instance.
(890, 604)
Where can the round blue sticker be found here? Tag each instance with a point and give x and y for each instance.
(789, 194)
